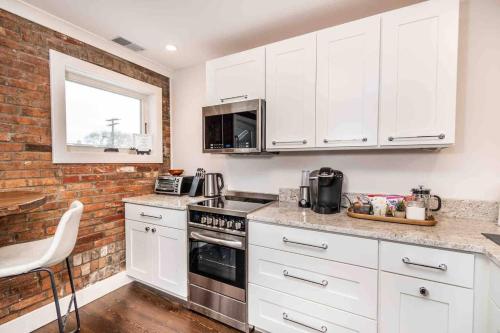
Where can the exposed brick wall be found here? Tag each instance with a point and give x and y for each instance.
(25, 163)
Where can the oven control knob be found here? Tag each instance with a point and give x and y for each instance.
(216, 222)
(209, 220)
(203, 219)
(237, 225)
(222, 223)
(230, 224)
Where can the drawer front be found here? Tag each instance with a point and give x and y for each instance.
(347, 249)
(274, 311)
(155, 215)
(443, 266)
(345, 287)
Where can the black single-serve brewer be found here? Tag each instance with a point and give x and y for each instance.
(326, 190)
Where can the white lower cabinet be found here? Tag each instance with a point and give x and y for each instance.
(170, 262)
(494, 317)
(139, 250)
(341, 286)
(411, 305)
(277, 312)
(157, 255)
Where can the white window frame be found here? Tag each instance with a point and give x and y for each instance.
(62, 65)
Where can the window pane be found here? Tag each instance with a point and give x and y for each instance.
(100, 118)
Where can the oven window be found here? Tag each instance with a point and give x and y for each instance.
(213, 132)
(218, 262)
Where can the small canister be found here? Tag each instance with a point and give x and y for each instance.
(415, 210)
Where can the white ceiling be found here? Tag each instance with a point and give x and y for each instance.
(205, 29)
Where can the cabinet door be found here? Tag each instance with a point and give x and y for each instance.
(419, 74)
(290, 93)
(440, 308)
(236, 77)
(139, 250)
(348, 84)
(170, 260)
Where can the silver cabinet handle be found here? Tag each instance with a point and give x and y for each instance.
(322, 329)
(303, 142)
(224, 242)
(345, 140)
(222, 100)
(323, 283)
(147, 229)
(441, 267)
(439, 136)
(323, 245)
(152, 216)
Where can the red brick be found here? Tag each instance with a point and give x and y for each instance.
(26, 160)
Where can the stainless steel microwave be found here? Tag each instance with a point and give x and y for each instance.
(234, 128)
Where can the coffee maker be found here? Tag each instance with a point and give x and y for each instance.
(326, 190)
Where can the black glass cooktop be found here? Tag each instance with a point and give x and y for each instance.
(493, 237)
(234, 203)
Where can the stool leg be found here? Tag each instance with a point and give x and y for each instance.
(70, 274)
(56, 300)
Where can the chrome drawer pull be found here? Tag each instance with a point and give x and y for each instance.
(441, 267)
(345, 140)
(152, 216)
(322, 329)
(303, 142)
(323, 245)
(234, 97)
(439, 136)
(323, 283)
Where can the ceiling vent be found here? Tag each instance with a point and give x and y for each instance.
(128, 44)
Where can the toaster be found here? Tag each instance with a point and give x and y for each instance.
(175, 185)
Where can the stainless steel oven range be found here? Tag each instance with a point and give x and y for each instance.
(218, 256)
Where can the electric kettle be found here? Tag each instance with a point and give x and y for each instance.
(213, 185)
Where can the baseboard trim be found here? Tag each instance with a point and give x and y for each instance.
(47, 313)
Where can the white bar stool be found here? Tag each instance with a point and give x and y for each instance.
(39, 255)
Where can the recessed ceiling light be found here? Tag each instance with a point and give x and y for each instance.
(171, 47)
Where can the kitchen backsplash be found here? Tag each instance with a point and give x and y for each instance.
(456, 208)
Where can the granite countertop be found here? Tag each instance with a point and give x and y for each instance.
(164, 200)
(450, 233)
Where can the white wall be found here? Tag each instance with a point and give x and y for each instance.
(469, 170)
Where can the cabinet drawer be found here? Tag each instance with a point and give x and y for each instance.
(442, 265)
(345, 287)
(347, 249)
(275, 311)
(155, 215)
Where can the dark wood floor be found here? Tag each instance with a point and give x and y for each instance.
(135, 308)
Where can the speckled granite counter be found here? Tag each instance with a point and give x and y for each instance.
(449, 233)
(164, 201)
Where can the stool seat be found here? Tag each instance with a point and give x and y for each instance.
(22, 258)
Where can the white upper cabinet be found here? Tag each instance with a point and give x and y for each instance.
(348, 84)
(236, 77)
(419, 74)
(291, 93)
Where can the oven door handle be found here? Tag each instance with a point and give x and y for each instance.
(224, 242)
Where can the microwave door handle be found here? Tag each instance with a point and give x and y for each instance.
(229, 243)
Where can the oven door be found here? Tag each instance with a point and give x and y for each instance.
(234, 127)
(217, 262)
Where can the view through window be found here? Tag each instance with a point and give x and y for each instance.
(97, 117)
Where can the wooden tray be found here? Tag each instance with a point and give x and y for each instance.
(430, 222)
